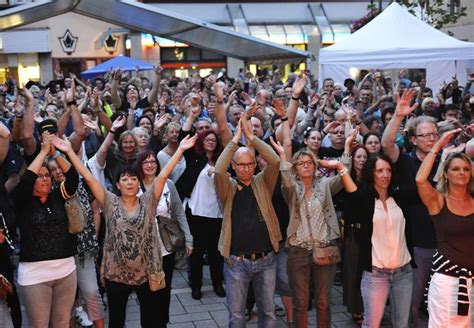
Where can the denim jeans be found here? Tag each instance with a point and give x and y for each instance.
(237, 274)
(423, 258)
(300, 269)
(376, 286)
(88, 287)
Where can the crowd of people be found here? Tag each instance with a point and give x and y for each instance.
(281, 186)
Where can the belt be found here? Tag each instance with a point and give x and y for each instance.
(253, 256)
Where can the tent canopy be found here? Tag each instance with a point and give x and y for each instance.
(150, 19)
(397, 39)
(125, 63)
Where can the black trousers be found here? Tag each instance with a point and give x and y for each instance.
(117, 295)
(13, 301)
(164, 295)
(206, 233)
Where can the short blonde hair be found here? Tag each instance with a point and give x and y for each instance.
(303, 152)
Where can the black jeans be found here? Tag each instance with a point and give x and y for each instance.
(206, 233)
(117, 295)
(164, 295)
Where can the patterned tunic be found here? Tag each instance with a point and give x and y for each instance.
(131, 249)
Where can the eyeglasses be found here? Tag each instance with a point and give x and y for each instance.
(427, 135)
(305, 163)
(44, 176)
(339, 132)
(245, 165)
(152, 163)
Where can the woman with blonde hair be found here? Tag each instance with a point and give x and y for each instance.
(312, 221)
(451, 207)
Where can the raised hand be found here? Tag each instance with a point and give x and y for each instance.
(158, 69)
(117, 74)
(70, 93)
(246, 128)
(299, 85)
(404, 107)
(452, 149)
(161, 121)
(331, 127)
(63, 145)
(352, 136)
(46, 142)
(279, 107)
(188, 142)
(120, 121)
(253, 108)
(95, 101)
(219, 90)
(445, 139)
(331, 164)
(246, 98)
(278, 148)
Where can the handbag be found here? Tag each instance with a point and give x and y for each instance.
(76, 213)
(324, 252)
(171, 234)
(156, 281)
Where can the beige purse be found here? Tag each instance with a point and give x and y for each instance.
(324, 252)
(76, 213)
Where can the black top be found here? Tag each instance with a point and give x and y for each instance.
(423, 233)
(362, 208)
(194, 165)
(7, 221)
(44, 227)
(455, 236)
(281, 208)
(249, 231)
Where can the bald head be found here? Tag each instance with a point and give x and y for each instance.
(244, 164)
(470, 148)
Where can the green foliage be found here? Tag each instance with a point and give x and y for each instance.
(437, 13)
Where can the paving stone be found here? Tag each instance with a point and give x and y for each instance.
(221, 317)
(176, 308)
(186, 299)
(205, 324)
(190, 317)
(204, 307)
(181, 325)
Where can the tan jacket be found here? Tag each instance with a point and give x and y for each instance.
(262, 185)
(324, 188)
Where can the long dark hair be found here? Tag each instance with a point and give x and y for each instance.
(353, 171)
(199, 146)
(141, 157)
(367, 181)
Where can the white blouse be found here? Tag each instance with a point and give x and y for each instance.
(203, 200)
(389, 247)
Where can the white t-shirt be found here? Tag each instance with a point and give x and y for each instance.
(203, 200)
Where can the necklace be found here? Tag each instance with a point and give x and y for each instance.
(459, 199)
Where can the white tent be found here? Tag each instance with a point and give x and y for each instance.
(396, 39)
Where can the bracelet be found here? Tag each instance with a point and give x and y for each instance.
(70, 103)
(342, 172)
(284, 119)
(346, 155)
(248, 118)
(112, 131)
(433, 152)
(220, 102)
(295, 98)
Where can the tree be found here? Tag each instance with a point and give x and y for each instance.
(437, 13)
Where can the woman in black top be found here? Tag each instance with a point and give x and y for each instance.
(46, 272)
(451, 207)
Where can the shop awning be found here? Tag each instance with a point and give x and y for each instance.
(157, 21)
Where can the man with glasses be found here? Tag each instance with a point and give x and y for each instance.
(423, 133)
(250, 232)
